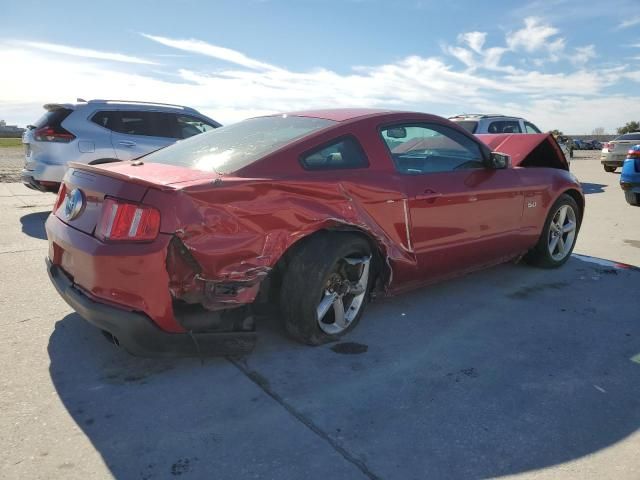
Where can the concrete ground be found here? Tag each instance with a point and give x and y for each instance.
(513, 372)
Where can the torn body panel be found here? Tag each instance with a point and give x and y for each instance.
(239, 229)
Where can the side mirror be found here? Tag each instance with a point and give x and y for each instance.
(500, 161)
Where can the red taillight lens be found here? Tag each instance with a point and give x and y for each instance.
(50, 134)
(605, 146)
(633, 153)
(62, 192)
(122, 221)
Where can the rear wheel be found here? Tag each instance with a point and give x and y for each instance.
(632, 198)
(558, 235)
(609, 169)
(325, 287)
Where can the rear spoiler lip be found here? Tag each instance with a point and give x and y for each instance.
(51, 107)
(107, 172)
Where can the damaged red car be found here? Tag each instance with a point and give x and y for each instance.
(311, 212)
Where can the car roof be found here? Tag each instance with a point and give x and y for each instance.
(120, 103)
(341, 114)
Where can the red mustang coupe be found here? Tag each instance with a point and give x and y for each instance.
(313, 212)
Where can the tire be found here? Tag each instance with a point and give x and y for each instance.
(632, 198)
(317, 274)
(548, 253)
(609, 169)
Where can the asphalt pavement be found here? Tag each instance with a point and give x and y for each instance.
(513, 372)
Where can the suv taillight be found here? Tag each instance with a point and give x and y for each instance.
(53, 134)
(62, 192)
(123, 221)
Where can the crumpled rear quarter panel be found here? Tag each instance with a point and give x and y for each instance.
(237, 229)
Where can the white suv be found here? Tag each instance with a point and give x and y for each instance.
(494, 123)
(101, 130)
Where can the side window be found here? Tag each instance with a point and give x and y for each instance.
(104, 119)
(430, 148)
(531, 128)
(133, 123)
(188, 126)
(345, 153)
(505, 126)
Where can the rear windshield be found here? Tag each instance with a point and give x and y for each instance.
(629, 136)
(469, 125)
(52, 118)
(228, 149)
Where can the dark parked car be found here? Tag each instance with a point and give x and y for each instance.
(312, 211)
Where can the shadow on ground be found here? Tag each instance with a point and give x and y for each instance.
(33, 224)
(588, 188)
(501, 372)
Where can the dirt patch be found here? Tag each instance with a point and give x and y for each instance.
(11, 162)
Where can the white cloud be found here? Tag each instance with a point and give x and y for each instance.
(630, 22)
(583, 54)
(534, 36)
(204, 48)
(86, 53)
(475, 40)
(251, 87)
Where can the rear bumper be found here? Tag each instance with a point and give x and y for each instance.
(611, 163)
(27, 179)
(137, 334)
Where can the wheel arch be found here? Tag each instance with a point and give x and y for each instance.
(382, 269)
(579, 199)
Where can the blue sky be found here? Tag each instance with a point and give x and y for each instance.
(573, 65)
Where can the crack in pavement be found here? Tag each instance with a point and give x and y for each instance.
(263, 384)
(26, 250)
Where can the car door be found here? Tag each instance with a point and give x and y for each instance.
(136, 133)
(463, 215)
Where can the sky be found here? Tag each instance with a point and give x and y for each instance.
(565, 64)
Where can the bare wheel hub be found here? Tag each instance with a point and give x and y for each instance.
(343, 295)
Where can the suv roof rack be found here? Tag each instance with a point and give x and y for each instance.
(135, 102)
(480, 115)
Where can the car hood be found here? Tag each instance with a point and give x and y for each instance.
(528, 150)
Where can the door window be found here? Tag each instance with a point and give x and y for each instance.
(505, 126)
(346, 153)
(531, 128)
(423, 149)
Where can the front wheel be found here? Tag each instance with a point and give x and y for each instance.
(558, 235)
(609, 169)
(325, 287)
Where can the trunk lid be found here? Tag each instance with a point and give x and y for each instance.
(122, 180)
(623, 146)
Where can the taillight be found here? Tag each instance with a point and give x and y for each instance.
(62, 192)
(633, 153)
(606, 146)
(53, 134)
(122, 221)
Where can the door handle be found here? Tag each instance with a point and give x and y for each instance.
(429, 195)
(126, 143)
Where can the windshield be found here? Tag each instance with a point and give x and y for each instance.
(228, 149)
(469, 125)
